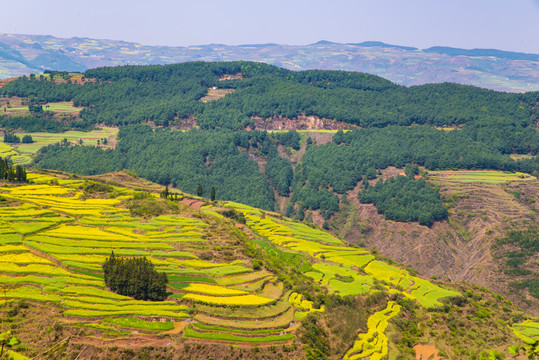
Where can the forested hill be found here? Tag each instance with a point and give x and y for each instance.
(170, 94)
(330, 179)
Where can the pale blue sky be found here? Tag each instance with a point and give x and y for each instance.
(511, 25)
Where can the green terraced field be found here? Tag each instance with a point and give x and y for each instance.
(484, 176)
(54, 240)
(188, 332)
(136, 323)
(22, 153)
(528, 331)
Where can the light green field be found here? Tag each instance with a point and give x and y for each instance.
(190, 333)
(528, 331)
(58, 107)
(136, 323)
(61, 107)
(338, 265)
(22, 153)
(485, 176)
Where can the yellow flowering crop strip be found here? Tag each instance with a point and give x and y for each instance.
(299, 302)
(245, 300)
(40, 178)
(85, 233)
(23, 258)
(52, 283)
(25, 210)
(374, 344)
(6, 150)
(12, 248)
(31, 293)
(527, 331)
(122, 312)
(39, 190)
(212, 290)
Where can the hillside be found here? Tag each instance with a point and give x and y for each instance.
(487, 68)
(243, 283)
(463, 225)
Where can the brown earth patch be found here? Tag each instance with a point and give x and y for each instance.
(5, 81)
(231, 77)
(184, 124)
(455, 250)
(216, 94)
(426, 352)
(300, 122)
(195, 204)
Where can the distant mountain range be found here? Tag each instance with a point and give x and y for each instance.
(487, 68)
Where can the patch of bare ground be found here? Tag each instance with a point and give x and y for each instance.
(455, 250)
(300, 122)
(5, 81)
(216, 94)
(11, 102)
(231, 77)
(185, 124)
(195, 204)
(426, 352)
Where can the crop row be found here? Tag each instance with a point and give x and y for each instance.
(374, 343)
(190, 333)
(527, 331)
(136, 323)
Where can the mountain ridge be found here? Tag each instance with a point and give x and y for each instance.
(488, 68)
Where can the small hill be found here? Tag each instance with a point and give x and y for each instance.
(242, 283)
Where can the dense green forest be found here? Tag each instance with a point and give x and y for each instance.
(164, 94)
(221, 159)
(341, 164)
(135, 277)
(187, 160)
(10, 172)
(482, 127)
(404, 198)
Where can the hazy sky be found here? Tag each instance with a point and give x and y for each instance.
(502, 24)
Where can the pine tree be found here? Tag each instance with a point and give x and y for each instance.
(212, 193)
(199, 190)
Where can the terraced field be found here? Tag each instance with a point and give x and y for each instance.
(481, 176)
(374, 344)
(22, 153)
(54, 238)
(528, 331)
(344, 270)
